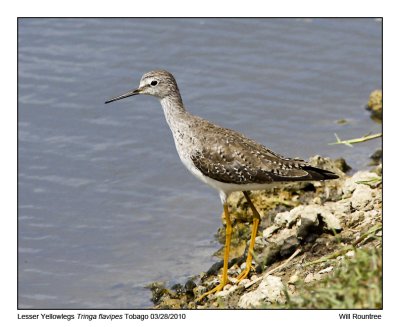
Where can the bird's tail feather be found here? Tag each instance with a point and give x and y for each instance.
(320, 174)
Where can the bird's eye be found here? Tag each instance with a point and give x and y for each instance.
(153, 83)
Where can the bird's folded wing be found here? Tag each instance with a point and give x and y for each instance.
(240, 160)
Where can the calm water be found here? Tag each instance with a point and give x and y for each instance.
(105, 206)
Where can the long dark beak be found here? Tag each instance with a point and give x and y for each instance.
(125, 95)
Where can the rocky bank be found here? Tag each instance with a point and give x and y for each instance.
(310, 235)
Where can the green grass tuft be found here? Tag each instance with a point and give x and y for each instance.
(356, 283)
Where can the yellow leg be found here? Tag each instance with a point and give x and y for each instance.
(224, 278)
(256, 222)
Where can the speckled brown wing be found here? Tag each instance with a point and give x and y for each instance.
(240, 160)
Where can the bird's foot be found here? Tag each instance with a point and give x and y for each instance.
(214, 290)
(243, 274)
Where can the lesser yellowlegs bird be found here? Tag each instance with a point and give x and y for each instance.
(222, 158)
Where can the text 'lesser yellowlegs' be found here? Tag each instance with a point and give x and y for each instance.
(222, 158)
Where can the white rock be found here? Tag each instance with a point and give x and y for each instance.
(326, 270)
(311, 277)
(293, 279)
(282, 218)
(253, 278)
(233, 280)
(350, 184)
(283, 235)
(311, 213)
(361, 197)
(227, 287)
(269, 231)
(259, 243)
(330, 220)
(226, 292)
(340, 209)
(270, 290)
(317, 200)
(371, 216)
(244, 282)
(356, 217)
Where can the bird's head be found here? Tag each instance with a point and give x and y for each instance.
(158, 83)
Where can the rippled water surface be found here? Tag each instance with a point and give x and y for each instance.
(105, 206)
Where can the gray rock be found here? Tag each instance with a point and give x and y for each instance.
(269, 254)
(289, 246)
(269, 291)
(377, 156)
(307, 227)
(341, 164)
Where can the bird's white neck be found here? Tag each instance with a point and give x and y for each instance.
(174, 110)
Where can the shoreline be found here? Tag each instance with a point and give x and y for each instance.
(311, 238)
